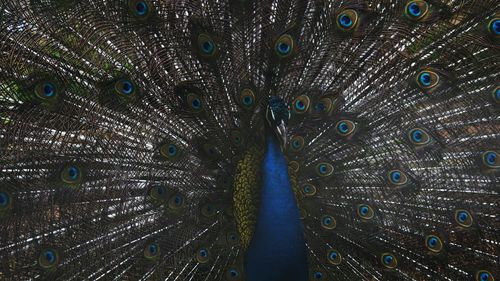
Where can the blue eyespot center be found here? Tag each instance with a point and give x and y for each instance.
(307, 189)
(284, 48)
(414, 10)
(323, 169)
(178, 200)
(433, 241)
(425, 79)
(484, 276)
(48, 90)
(160, 190)
(127, 87)
(491, 158)
(497, 94)
(207, 47)
(153, 249)
(417, 135)
(345, 21)
(141, 8)
(73, 172)
(343, 127)
(247, 100)
(203, 253)
(300, 105)
(172, 150)
(320, 107)
(233, 272)
(364, 210)
(318, 275)
(50, 256)
(495, 26)
(4, 199)
(333, 255)
(396, 176)
(462, 216)
(327, 220)
(388, 259)
(196, 103)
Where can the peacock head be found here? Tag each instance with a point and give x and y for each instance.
(277, 116)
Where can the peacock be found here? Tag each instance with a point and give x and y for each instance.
(256, 140)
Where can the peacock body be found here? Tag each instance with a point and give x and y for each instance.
(249, 140)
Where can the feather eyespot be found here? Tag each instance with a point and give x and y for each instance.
(5, 201)
(317, 275)
(345, 128)
(233, 274)
(170, 151)
(176, 202)
(463, 218)
(247, 98)
(427, 79)
(284, 46)
(324, 169)
(125, 87)
(365, 211)
(237, 138)
(208, 210)
(491, 160)
(202, 255)
(151, 251)
(328, 222)
(418, 137)
(301, 104)
(308, 189)
(207, 46)
(71, 174)
(49, 259)
(297, 143)
(232, 238)
(416, 10)
(388, 260)
(433, 243)
(46, 90)
(496, 95)
(324, 105)
(494, 27)
(347, 20)
(334, 257)
(484, 275)
(158, 193)
(397, 177)
(194, 102)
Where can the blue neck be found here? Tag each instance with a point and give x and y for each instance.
(277, 251)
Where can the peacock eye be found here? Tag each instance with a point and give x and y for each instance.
(206, 45)
(427, 79)
(5, 201)
(463, 218)
(419, 137)
(158, 193)
(491, 159)
(124, 87)
(334, 257)
(284, 46)
(496, 95)
(169, 151)
(484, 275)
(233, 273)
(208, 210)
(388, 260)
(151, 251)
(237, 138)
(232, 238)
(308, 189)
(433, 243)
(48, 258)
(416, 10)
(247, 98)
(347, 20)
(202, 255)
(194, 102)
(301, 104)
(176, 202)
(324, 105)
(397, 177)
(71, 174)
(297, 143)
(494, 27)
(318, 275)
(365, 211)
(328, 222)
(140, 8)
(46, 90)
(345, 127)
(324, 169)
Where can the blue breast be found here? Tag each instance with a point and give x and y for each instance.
(277, 250)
